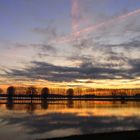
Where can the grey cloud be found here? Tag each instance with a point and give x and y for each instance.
(135, 67)
(49, 31)
(133, 43)
(51, 72)
(45, 49)
(99, 59)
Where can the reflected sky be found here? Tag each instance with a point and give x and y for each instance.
(46, 119)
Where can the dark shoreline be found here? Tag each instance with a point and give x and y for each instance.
(66, 97)
(123, 135)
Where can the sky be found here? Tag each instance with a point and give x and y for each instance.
(70, 43)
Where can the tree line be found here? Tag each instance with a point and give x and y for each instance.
(70, 92)
(32, 91)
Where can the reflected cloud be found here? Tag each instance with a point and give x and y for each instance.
(52, 118)
(60, 121)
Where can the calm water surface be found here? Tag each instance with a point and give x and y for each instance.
(28, 121)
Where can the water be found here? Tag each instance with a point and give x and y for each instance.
(28, 121)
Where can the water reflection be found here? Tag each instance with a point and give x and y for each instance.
(51, 118)
(98, 108)
(44, 104)
(30, 108)
(70, 103)
(10, 104)
(38, 105)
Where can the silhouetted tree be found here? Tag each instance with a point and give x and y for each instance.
(70, 93)
(10, 92)
(114, 93)
(31, 91)
(123, 95)
(45, 92)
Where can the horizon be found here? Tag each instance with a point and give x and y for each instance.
(76, 91)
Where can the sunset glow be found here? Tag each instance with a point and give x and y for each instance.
(70, 43)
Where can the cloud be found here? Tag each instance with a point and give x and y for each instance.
(45, 50)
(48, 123)
(99, 58)
(123, 23)
(50, 72)
(50, 32)
(135, 71)
(111, 50)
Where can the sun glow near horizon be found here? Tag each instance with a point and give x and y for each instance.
(87, 44)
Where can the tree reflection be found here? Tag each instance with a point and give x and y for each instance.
(70, 103)
(10, 104)
(44, 104)
(30, 108)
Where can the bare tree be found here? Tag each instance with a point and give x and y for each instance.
(31, 91)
